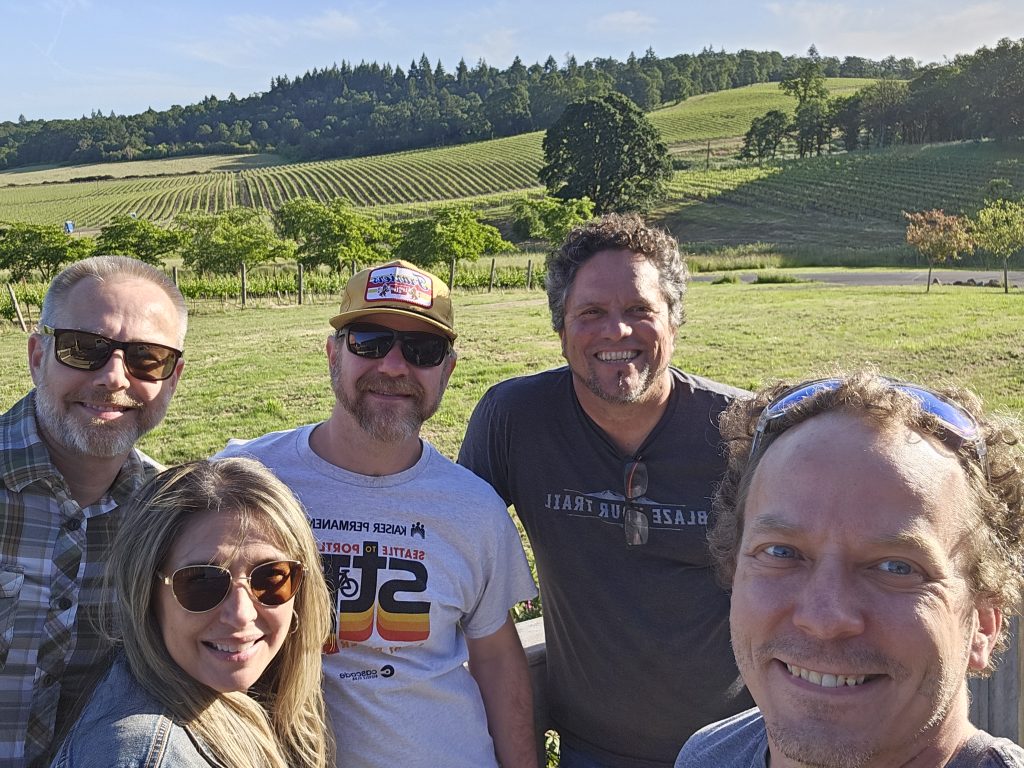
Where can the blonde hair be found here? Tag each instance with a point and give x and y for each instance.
(281, 721)
(995, 523)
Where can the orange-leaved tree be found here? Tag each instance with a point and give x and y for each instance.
(938, 236)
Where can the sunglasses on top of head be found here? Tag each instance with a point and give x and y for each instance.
(201, 588)
(958, 427)
(420, 348)
(86, 351)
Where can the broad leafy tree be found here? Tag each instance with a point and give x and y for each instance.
(451, 232)
(221, 243)
(766, 133)
(549, 218)
(332, 234)
(999, 229)
(607, 150)
(129, 236)
(939, 237)
(38, 251)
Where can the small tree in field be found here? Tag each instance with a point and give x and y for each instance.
(938, 236)
(29, 251)
(129, 236)
(766, 133)
(549, 218)
(999, 229)
(452, 232)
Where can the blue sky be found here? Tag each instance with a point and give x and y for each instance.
(65, 58)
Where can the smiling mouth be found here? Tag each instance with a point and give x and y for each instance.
(231, 647)
(621, 356)
(827, 679)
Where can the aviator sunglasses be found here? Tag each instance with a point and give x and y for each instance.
(201, 588)
(958, 426)
(419, 348)
(634, 520)
(86, 351)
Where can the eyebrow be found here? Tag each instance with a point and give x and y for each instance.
(910, 539)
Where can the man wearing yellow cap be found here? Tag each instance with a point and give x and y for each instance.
(422, 557)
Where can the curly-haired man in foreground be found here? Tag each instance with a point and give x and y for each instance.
(871, 533)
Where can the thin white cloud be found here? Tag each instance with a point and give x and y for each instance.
(498, 46)
(247, 37)
(622, 23)
(927, 31)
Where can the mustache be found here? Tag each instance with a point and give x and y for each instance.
(387, 385)
(839, 656)
(119, 399)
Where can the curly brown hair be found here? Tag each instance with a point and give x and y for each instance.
(616, 231)
(995, 532)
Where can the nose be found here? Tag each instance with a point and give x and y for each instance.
(393, 363)
(616, 326)
(239, 607)
(829, 606)
(113, 375)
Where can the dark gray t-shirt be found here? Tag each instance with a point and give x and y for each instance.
(638, 653)
(741, 742)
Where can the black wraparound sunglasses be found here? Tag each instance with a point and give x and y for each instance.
(86, 351)
(420, 348)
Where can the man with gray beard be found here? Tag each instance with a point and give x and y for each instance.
(610, 463)
(422, 558)
(105, 359)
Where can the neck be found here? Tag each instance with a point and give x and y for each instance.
(342, 442)
(627, 424)
(934, 746)
(87, 477)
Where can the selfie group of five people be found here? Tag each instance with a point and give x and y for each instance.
(802, 576)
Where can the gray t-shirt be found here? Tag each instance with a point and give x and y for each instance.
(416, 562)
(638, 653)
(741, 742)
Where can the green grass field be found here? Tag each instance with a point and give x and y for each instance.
(738, 333)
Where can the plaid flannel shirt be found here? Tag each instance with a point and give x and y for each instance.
(34, 503)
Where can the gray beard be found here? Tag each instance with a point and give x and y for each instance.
(385, 426)
(96, 439)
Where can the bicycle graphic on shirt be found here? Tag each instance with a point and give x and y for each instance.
(347, 586)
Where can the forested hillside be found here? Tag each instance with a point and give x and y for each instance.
(348, 110)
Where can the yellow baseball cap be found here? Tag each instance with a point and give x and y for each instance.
(398, 288)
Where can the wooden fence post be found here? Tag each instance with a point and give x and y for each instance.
(17, 309)
(174, 276)
(451, 274)
(352, 266)
(529, 275)
(300, 285)
(245, 284)
(490, 285)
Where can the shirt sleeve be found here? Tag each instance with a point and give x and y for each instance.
(484, 448)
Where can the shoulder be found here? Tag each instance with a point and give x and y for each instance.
(986, 751)
(528, 388)
(263, 445)
(440, 470)
(123, 726)
(700, 385)
(735, 741)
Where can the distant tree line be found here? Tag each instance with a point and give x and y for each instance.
(977, 95)
(350, 110)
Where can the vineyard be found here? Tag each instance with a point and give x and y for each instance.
(487, 174)
(467, 170)
(855, 198)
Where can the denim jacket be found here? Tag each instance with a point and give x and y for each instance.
(122, 726)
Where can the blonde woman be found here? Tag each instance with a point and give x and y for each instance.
(220, 618)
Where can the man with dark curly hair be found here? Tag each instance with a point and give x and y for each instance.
(610, 463)
(871, 532)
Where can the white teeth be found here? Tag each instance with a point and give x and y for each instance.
(825, 680)
(233, 648)
(609, 357)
